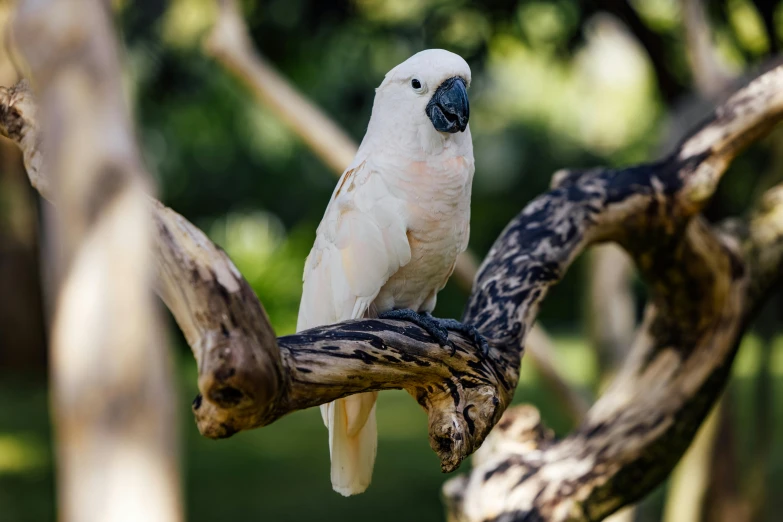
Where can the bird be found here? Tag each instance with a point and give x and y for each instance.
(389, 239)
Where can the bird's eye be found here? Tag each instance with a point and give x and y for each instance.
(416, 84)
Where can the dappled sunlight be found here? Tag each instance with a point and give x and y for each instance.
(776, 360)
(578, 362)
(610, 71)
(748, 362)
(546, 24)
(466, 28)
(270, 138)
(748, 26)
(187, 21)
(270, 259)
(660, 14)
(748, 359)
(22, 453)
(393, 11)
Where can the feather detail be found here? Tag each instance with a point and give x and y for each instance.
(353, 456)
(360, 243)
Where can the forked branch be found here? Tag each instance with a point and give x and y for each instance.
(705, 285)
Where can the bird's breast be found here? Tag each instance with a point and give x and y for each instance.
(438, 217)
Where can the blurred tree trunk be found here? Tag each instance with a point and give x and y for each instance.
(724, 500)
(688, 483)
(610, 313)
(112, 388)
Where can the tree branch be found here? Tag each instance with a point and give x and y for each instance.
(705, 286)
(709, 73)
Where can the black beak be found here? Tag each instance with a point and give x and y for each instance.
(448, 108)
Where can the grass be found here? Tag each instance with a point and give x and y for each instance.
(281, 473)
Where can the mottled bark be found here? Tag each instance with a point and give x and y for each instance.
(705, 284)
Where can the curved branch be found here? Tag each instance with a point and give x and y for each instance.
(230, 44)
(703, 289)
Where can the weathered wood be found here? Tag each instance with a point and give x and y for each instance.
(112, 390)
(705, 285)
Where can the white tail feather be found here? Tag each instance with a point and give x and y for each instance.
(353, 440)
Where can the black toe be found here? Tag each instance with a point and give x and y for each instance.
(429, 324)
(468, 331)
(438, 329)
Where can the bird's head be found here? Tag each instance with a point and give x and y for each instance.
(427, 91)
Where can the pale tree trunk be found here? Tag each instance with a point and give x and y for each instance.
(111, 384)
(610, 309)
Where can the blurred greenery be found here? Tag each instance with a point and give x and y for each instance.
(556, 84)
(281, 472)
(559, 83)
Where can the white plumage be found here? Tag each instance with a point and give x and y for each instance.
(390, 236)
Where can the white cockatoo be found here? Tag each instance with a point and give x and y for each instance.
(391, 234)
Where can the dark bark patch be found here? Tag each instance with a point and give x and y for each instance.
(226, 396)
(224, 373)
(501, 468)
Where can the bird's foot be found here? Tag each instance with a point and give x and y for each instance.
(429, 324)
(469, 331)
(439, 328)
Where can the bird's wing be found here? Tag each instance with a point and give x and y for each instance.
(361, 242)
